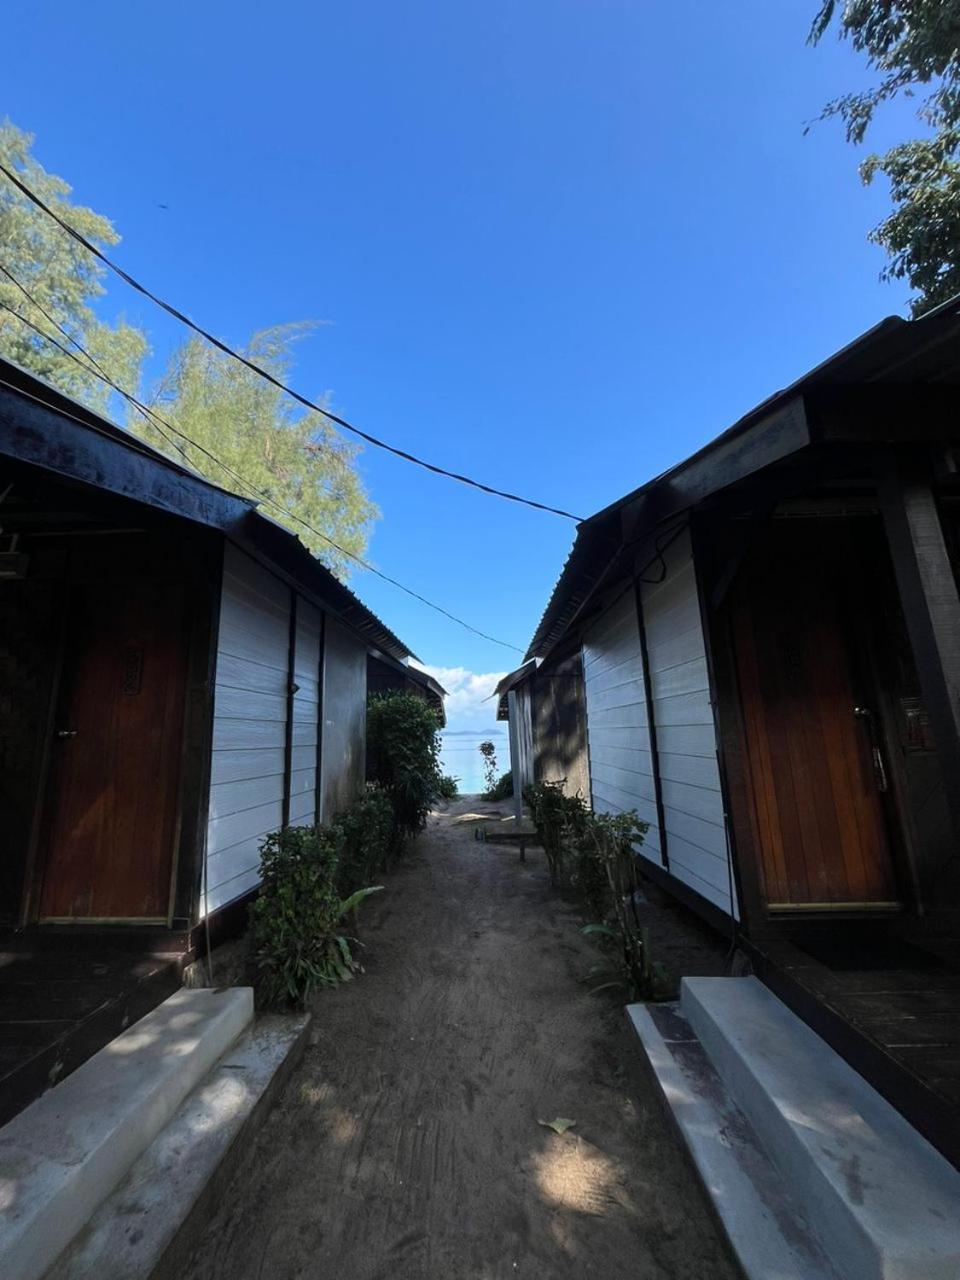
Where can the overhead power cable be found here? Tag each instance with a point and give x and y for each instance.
(264, 373)
(163, 425)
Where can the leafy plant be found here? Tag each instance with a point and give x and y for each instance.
(913, 46)
(297, 942)
(559, 820)
(489, 753)
(403, 750)
(502, 788)
(609, 842)
(365, 833)
(449, 790)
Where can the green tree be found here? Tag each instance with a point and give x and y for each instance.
(909, 43)
(62, 277)
(297, 459)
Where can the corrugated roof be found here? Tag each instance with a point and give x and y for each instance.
(273, 539)
(894, 352)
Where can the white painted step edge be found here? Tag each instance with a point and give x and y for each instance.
(886, 1203)
(63, 1155)
(149, 1225)
(767, 1235)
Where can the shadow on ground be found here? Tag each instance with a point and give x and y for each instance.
(407, 1144)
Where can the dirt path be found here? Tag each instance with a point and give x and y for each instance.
(406, 1144)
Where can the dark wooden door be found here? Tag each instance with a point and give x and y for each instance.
(110, 821)
(814, 776)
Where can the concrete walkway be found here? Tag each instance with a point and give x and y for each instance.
(407, 1145)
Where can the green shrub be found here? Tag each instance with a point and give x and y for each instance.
(609, 841)
(449, 790)
(403, 748)
(366, 831)
(502, 789)
(296, 940)
(559, 820)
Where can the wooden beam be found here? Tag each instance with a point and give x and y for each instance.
(931, 604)
(651, 726)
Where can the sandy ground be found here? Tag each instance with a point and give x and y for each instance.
(406, 1143)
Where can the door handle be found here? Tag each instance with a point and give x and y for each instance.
(66, 733)
(879, 768)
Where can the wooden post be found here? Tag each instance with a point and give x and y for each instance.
(513, 724)
(931, 605)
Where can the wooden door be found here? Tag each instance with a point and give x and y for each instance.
(110, 821)
(815, 764)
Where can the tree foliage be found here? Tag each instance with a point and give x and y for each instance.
(403, 756)
(63, 278)
(909, 43)
(297, 459)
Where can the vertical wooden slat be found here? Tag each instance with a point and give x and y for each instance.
(651, 726)
(288, 727)
(317, 814)
(931, 605)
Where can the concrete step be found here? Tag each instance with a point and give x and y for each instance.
(884, 1203)
(148, 1228)
(766, 1229)
(63, 1155)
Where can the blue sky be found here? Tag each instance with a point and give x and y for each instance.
(558, 243)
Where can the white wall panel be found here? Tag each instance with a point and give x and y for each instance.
(306, 711)
(249, 725)
(683, 715)
(621, 776)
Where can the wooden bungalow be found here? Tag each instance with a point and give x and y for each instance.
(178, 677)
(770, 645)
(386, 675)
(548, 740)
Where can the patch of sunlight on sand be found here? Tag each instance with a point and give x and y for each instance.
(574, 1175)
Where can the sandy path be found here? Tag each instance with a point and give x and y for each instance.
(407, 1144)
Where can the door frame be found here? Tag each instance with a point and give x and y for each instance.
(718, 563)
(201, 556)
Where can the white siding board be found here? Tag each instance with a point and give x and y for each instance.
(248, 704)
(632, 758)
(244, 616)
(302, 781)
(233, 735)
(689, 740)
(684, 709)
(627, 781)
(225, 892)
(224, 832)
(685, 646)
(302, 758)
(302, 810)
(247, 793)
(249, 727)
(686, 739)
(686, 677)
(718, 895)
(621, 776)
(242, 673)
(697, 770)
(697, 832)
(632, 716)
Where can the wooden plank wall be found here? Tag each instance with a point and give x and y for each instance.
(306, 708)
(618, 738)
(686, 740)
(249, 726)
(343, 765)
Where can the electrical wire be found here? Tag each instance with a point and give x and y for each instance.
(163, 425)
(263, 373)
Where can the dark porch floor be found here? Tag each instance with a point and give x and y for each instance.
(59, 1004)
(891, 1007)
